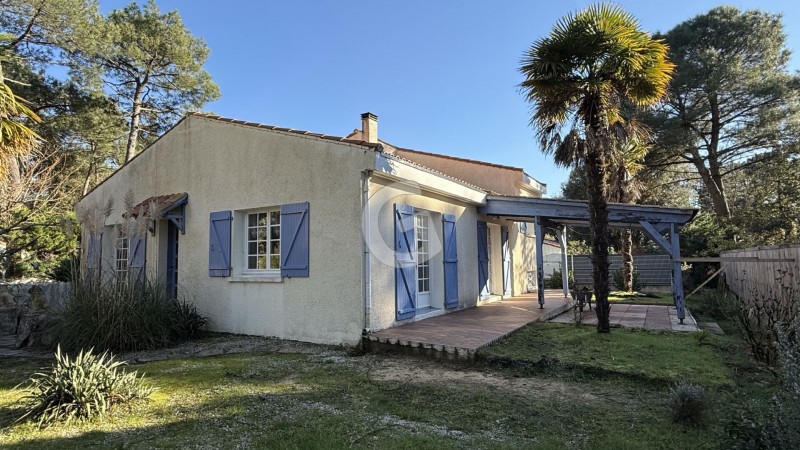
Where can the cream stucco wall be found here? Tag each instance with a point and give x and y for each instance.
(224, 166)
(384, 194)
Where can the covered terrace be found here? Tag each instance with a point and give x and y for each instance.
(661, 224)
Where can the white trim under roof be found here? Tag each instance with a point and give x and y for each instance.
(393, 168)
(536, 184)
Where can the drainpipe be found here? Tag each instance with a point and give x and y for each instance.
(366, 271)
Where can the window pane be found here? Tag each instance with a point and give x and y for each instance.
(252, 262)
(262, 262)
(262, 219)
(262, 248)
(251, 248)
(252, 234)
(252, 219)
(262, 233)
(275, 262)
(276, 217)
(275, 247)
(275, 233)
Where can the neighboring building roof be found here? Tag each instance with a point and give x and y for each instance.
(456, 158)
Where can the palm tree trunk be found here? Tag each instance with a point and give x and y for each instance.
(596, 179)
(627, 258)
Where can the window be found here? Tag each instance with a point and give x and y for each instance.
(121, 256)
(423, 254)
(263, 232)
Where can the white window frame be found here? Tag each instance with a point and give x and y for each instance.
(245, 242)
(121, 249)
(422, 225)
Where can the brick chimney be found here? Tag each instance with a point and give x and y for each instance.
(369, 127)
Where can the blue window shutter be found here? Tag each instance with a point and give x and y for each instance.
(506, 260)
(93, 250)
(219, 244)
(136, 255)
(405, 272)
(294, 240)
(483, 260)
(450, 258)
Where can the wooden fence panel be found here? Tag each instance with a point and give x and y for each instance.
(764, 277)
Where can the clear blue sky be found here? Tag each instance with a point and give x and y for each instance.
(441, 75)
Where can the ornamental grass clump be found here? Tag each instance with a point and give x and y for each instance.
(114, 316)
(687, 403)
(81, 388)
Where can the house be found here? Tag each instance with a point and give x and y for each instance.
(280, 232)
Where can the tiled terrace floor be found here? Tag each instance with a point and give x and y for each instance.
(465, 331)
(649, 317)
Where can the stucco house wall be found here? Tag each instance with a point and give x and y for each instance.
(385, 194)
(226, 166)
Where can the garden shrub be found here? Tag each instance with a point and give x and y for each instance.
(773, 424)
(87, 386)
(120, 317)
(187, 322)
(555, 282)
(619, 280)
(763, 312)
(687, 403)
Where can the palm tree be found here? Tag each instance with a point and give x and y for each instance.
(577, 79)
(16, 139)
(626, 187)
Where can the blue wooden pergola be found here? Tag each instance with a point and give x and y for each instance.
(661, 224)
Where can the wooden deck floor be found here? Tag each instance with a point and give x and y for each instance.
(463, 332)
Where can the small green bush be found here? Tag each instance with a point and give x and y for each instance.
(187, 322)
(773, 424)
(619, 280)
(81, 388)
(687, 403)
(119, 317)
(555, 282)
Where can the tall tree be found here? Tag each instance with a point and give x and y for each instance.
(46, 31)
(626, 188)
(154, 66)
(577, 78)
(732, 99)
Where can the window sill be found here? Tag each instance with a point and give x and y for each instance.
(256, 279)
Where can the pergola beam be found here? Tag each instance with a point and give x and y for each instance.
(554, 213)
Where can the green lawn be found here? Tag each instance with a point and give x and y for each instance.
(634, 354)
(548, 386)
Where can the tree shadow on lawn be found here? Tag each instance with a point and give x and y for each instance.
(253, 420)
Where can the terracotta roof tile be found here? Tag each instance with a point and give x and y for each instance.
(161, 203)
(282, 129)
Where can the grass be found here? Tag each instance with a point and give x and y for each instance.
(638, 355)
(632, 298)
(548, 386)
(304, 401)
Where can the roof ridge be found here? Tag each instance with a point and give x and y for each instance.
(217, 117)
(458, 158)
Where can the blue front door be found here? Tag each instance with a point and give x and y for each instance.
(172, 260)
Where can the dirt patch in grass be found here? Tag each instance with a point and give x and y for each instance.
(414, 370)
(222, 344)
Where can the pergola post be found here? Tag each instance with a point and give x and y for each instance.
(562, 242)
(677, 275)
(537, 229)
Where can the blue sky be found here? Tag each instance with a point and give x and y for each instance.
(441, 75)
